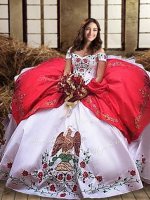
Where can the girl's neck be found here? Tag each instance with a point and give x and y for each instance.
(86, 46)
(86, 50)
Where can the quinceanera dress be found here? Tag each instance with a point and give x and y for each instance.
(98, 149)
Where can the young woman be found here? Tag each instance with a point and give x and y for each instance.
(101, 148)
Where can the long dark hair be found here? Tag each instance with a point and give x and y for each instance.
(79, 41)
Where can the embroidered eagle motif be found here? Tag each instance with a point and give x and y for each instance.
(66, 142)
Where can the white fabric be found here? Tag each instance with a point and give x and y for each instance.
(102, 56)
(103, 148)
(40, 157)
(84, 66)
(68, 54)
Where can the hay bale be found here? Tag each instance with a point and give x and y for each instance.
(144, 59)
(14, 56)
(5, 100)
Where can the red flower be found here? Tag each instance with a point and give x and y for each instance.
(73, 87)
(52, 187)
(81, 70)
(78, 59)
(99, 178)
(68, 177)
(63, 195)
(85, 174)
(74, 188)
(25, 173)
(60, 176)
(45, 165)
(9, 165)
(82, 164)
(85, 60)
(143, 160)
(133, 173)
(40, 174)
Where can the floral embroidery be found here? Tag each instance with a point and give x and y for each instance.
(84, 66)
(145, 94)
(44, 78)
(82, 164)
(18, 100)
(89, 100)
(114, 64)
(51, 102)
(132, 172)
(98, 113)
(85, 60)
(9, 165)
(61, 170)
(110, 118)
(78, 60)
(25, 173)
(102, 56)
(140, 163)
(62, 182)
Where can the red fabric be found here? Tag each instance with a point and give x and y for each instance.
(121, 99)
(37, 89)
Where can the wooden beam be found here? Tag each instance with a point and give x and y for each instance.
(16, 19)
(72, 14)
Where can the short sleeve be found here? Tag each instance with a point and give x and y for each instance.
(68, 54)
(101, 56)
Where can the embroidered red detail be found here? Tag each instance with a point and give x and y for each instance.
(25, 173)
(9, 165)
(82, 164)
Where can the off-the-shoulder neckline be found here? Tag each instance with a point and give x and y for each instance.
(88, 55)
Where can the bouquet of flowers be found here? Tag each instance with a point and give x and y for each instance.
(73, 87)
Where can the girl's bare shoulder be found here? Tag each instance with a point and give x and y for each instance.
(101, 50)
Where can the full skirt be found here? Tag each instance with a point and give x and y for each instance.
(71, 154)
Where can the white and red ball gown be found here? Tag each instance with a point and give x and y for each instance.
(98, 149)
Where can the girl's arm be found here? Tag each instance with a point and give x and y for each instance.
(67, 69)
(100, 71)
(101, 66)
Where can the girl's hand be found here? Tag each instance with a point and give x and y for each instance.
(98, 80)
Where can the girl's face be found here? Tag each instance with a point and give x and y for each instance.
(90, 32)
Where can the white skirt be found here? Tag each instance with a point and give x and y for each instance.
(74, 155)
